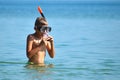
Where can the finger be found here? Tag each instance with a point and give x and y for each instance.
(49, 38)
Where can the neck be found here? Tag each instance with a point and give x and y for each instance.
(38, 35)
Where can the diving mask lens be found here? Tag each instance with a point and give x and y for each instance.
(43, 29)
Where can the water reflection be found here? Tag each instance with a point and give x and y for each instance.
(39, 72)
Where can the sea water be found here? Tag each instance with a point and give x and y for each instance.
(86, 36)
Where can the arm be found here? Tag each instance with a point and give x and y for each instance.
(50, 48)
(29, 51)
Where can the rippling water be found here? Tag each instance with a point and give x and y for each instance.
(86, 36)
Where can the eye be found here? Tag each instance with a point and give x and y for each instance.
(48, 29)
(38, 27)
(42, 29)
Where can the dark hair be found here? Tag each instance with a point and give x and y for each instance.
(40, 21)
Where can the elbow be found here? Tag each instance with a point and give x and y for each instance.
(52, 56)
(28, 56)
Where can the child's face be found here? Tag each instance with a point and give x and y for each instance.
(43, 29)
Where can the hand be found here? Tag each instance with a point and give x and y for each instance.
(50, 38)
(47, 38)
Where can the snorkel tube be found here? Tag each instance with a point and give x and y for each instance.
(40, 11)
(46, 35)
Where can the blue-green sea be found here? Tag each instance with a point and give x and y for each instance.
(86, 36)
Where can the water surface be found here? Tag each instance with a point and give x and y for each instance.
(86, 36)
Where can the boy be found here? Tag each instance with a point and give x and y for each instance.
(37, 43)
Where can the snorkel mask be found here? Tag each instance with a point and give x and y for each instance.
(44, 29)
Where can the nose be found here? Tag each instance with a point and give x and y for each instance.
(45, 31)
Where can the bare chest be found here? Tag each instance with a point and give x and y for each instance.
(39, 43)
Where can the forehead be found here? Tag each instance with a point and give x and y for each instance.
(45, 25)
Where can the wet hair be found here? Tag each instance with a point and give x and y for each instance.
(40, 21)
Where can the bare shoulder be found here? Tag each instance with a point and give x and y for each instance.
(30, 37)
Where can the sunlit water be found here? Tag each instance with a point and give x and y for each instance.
(87, 41)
